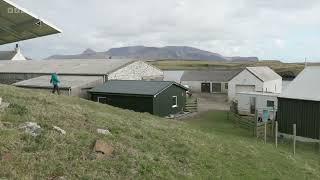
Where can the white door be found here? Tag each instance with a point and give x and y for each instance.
(245, 88)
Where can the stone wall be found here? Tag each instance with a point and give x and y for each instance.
(137, 71)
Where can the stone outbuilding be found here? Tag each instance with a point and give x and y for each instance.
(120, 69)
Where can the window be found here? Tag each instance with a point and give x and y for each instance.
(174, 101)
(270, 103)
(226, 86)
(102, 100)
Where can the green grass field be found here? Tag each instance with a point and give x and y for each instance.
(279, 67)
(146, 147)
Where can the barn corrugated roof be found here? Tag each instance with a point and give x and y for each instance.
(69, 67)
(66, 81)
(209, 75)
(305, 86)
(264, 73)
(7, 55)
(18, 24)
(133, 87)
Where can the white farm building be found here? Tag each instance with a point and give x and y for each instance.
(14, 55)
(255, 79)
(208, 81)
(251, 102)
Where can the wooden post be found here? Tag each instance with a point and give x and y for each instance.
(319, 139)
(294, 138)
(276, 134)
(228, 115)
(265, 132)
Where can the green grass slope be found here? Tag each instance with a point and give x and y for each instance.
(146, 147)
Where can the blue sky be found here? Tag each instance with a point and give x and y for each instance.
(286, 30)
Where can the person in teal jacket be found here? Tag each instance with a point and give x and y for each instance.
(55, 81)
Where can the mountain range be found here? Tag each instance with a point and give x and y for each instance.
(154, 53)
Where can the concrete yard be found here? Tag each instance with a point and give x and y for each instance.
(208, 102)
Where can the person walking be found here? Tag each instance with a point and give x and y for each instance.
(55, 81)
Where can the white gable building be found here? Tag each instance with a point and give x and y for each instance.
(14, 55)
(255, 79)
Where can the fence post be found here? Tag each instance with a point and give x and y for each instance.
(294, 138)
(319, 139)
(265, 132)
(276, 134)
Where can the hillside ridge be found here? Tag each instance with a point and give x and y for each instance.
(155, 53)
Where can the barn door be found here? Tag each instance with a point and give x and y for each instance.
(205, 87)
(253, 105)
(216, 87)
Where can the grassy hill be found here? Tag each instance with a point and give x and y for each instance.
(145, 146)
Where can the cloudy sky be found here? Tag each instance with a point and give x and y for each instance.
(287, 30)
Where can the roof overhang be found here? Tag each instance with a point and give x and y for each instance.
(17, 24)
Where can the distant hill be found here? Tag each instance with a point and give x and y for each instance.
(154, 53)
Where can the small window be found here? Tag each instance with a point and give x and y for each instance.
(226, 86)
(102, 100)
(174, 101)
(270, 103)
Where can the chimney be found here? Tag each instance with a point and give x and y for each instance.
(17, 48)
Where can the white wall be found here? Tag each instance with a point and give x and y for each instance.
(261, 102)
(137, 71)
(243, 78)
(18, 57)
(274, 86)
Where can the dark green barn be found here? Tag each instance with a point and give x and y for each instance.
(300, 104)
(160, 98)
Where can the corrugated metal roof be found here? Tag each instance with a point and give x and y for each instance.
(7, 55)
(173, 76)
(305, 86)
(133, 87)
(209, 75)
(70, 66)
(66, 81)
(264, 73)
(17, 24)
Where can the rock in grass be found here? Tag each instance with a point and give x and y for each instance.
(31, 128)
(102, 149)
(58, 129)
(6, 157)
(104, 131)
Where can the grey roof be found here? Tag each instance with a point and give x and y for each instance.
(305, 86)
(17, 24)
(7, 55)
(69, 67)
(66, 81)
(264, 73)
(209, 75)
(133, 87)
(173, 76)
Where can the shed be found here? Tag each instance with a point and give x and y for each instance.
(160, 98)
(300, 104)
(255, 79)
(251, 102)
(70, 85)
(208, 81)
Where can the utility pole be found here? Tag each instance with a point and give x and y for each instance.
(305, 62)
